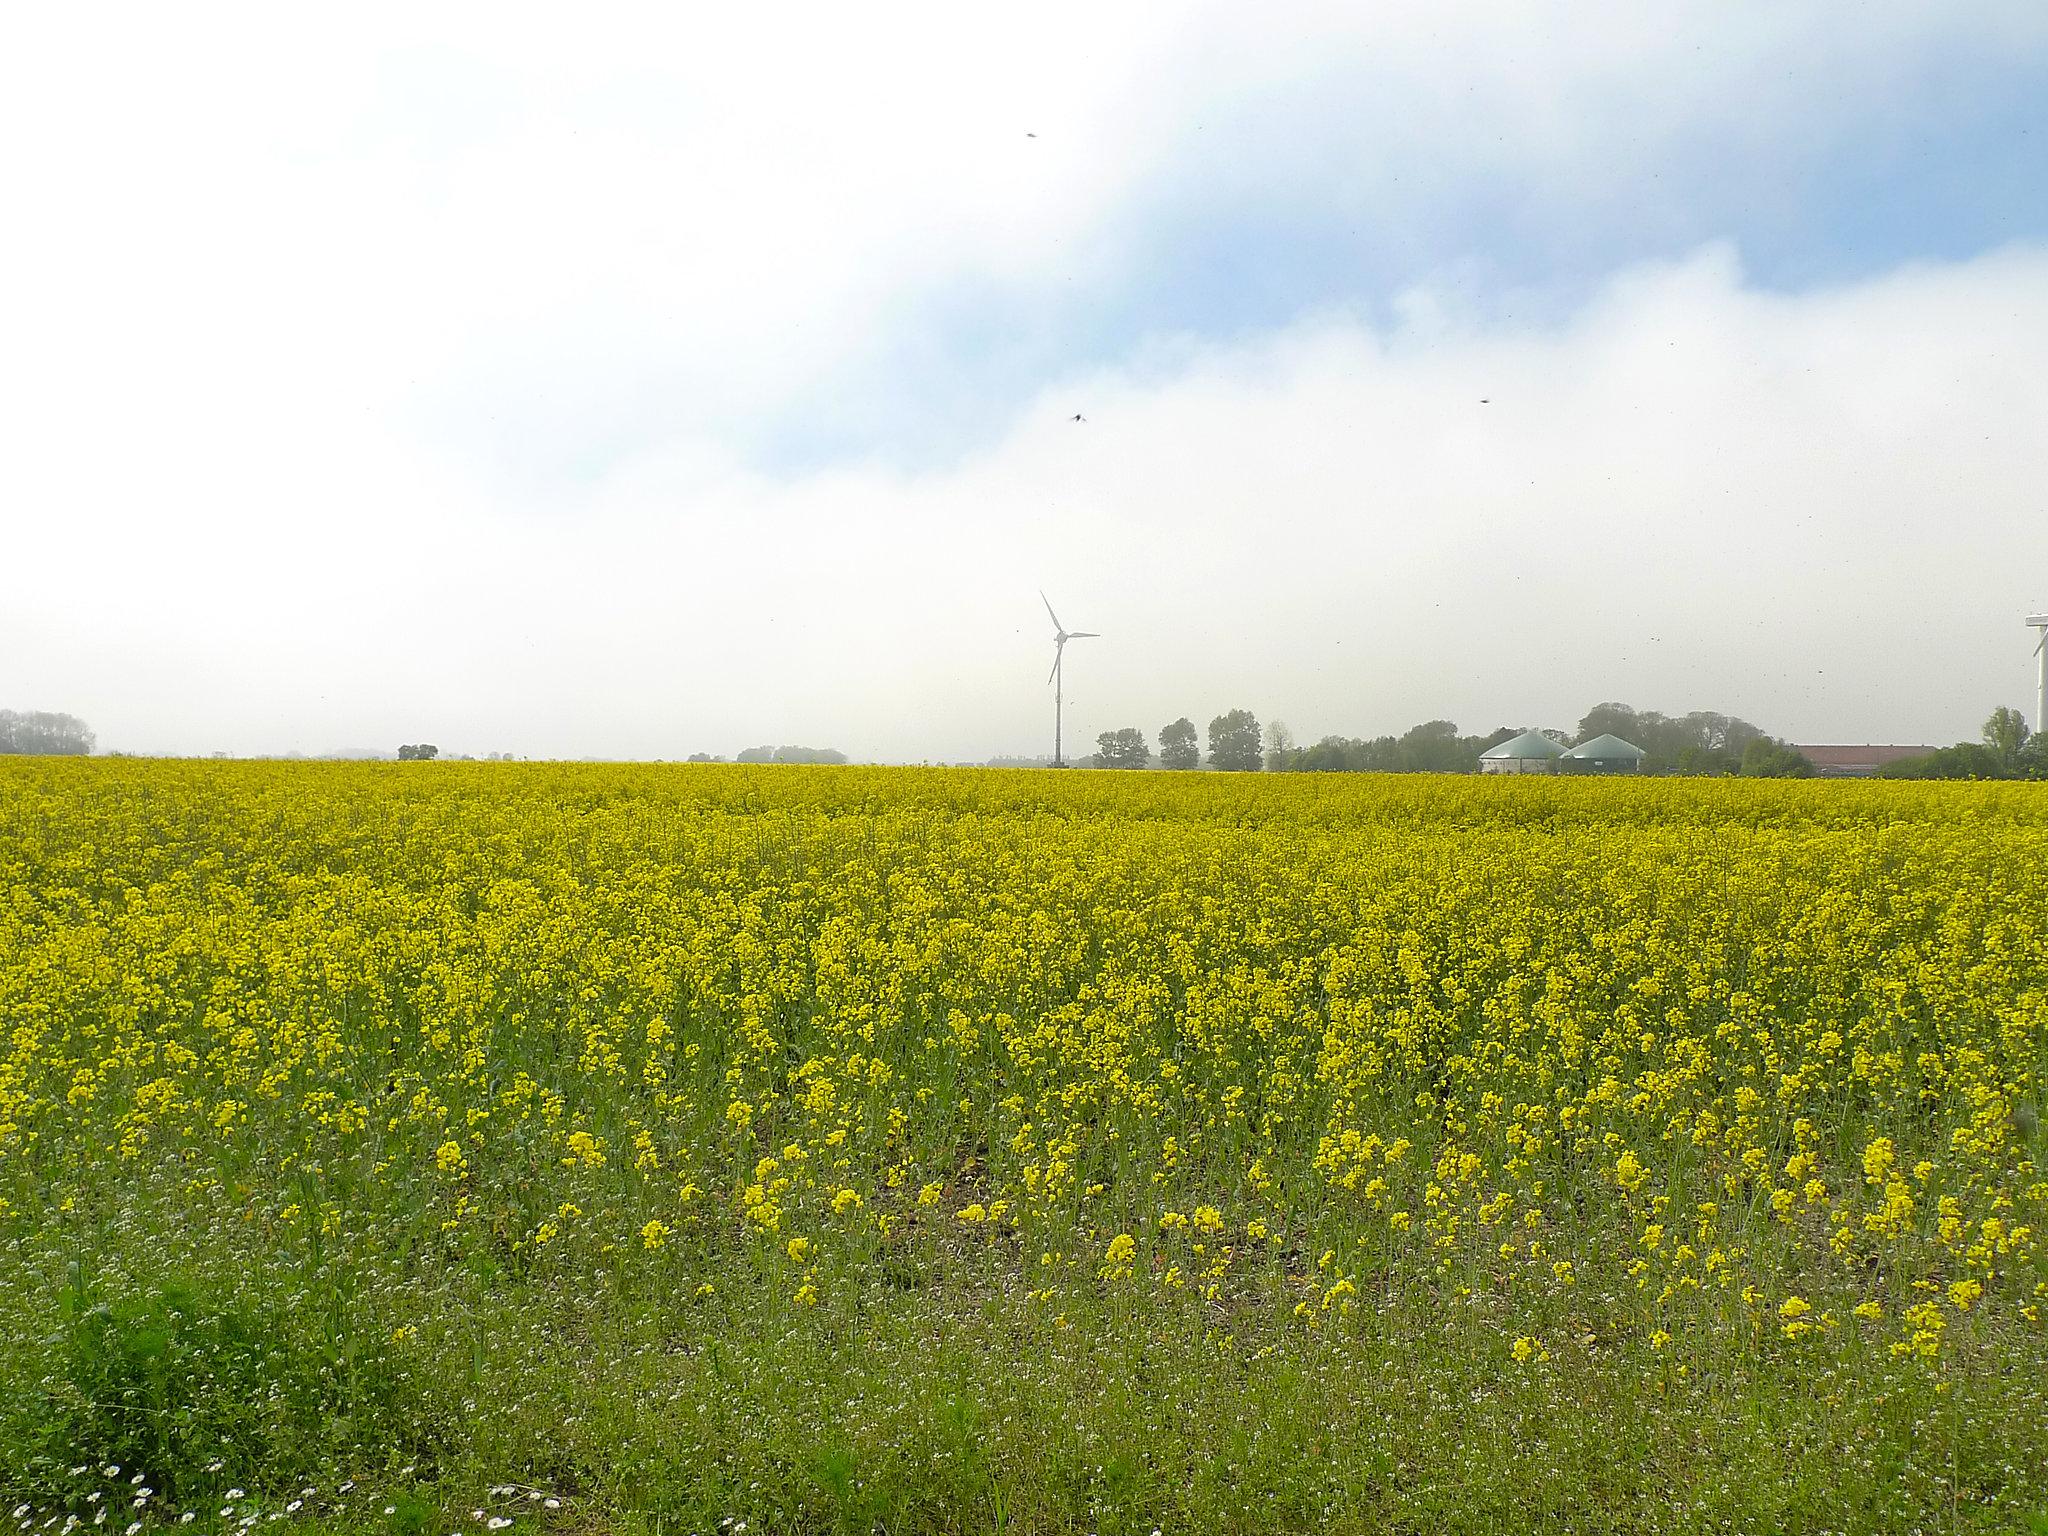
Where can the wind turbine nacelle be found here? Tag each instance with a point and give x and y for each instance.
(2040, 620)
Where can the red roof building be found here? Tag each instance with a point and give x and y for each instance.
(1856, 762)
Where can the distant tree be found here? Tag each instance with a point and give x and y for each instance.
(1712, 762)
(1436, 747)
(1665, 740)
(1280, 748)
(1343, 754)
(1234, 742)
(422, 752)
(1179, 746)
(2033, 758)
(1610, 720)
(809, 755)
(1125, 748)
(1965, 760)
(40, 733)
(2006, 734)
(755, 755)
(1763, 758)
(1330, 755)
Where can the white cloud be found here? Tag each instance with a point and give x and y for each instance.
(408, 374)
(1814, 510)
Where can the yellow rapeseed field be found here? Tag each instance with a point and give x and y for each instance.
(1709, 1076)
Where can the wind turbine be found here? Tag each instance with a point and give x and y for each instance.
(1061, 635)
(2040, 621)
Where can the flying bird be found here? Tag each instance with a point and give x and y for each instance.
(1079, 417)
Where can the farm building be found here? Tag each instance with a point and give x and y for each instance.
(1603, 754)
(1845, 762)
(1530, 752)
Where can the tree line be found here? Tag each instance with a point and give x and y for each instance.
(1704, 742)
(2006, 750)
(41, 733)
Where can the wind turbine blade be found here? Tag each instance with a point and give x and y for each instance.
(2041, 642)
(1082, 634)
(1056, 624)
(1055, 666)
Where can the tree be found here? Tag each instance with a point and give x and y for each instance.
(2006, 734)
(40, 733)
(1716, 741)
(2033, 758)
(1435, 747)
(423, 752)
(1965, 760)
(1234, 742)
(1764, 758)
(1179, 747)
(1281, 752)
(1333, 754)
(1712, 762)
(1125, 748)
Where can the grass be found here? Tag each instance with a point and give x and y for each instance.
(933, 1403)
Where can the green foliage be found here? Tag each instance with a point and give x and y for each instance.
(418, 753)
(1707, 733)
(1432, 747)
(189, 1393)
(1125, 748)
(1764, 758)
(1234, 742)
(1436, 747)
(1965, 760)
(1179, 746)
(2008, 751)
(2006, 734)
(2033, 757)
(162, 1384)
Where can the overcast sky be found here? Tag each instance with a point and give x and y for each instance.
(622, 382)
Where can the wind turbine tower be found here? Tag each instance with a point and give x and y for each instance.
(1057, 676)
(2040, 622)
